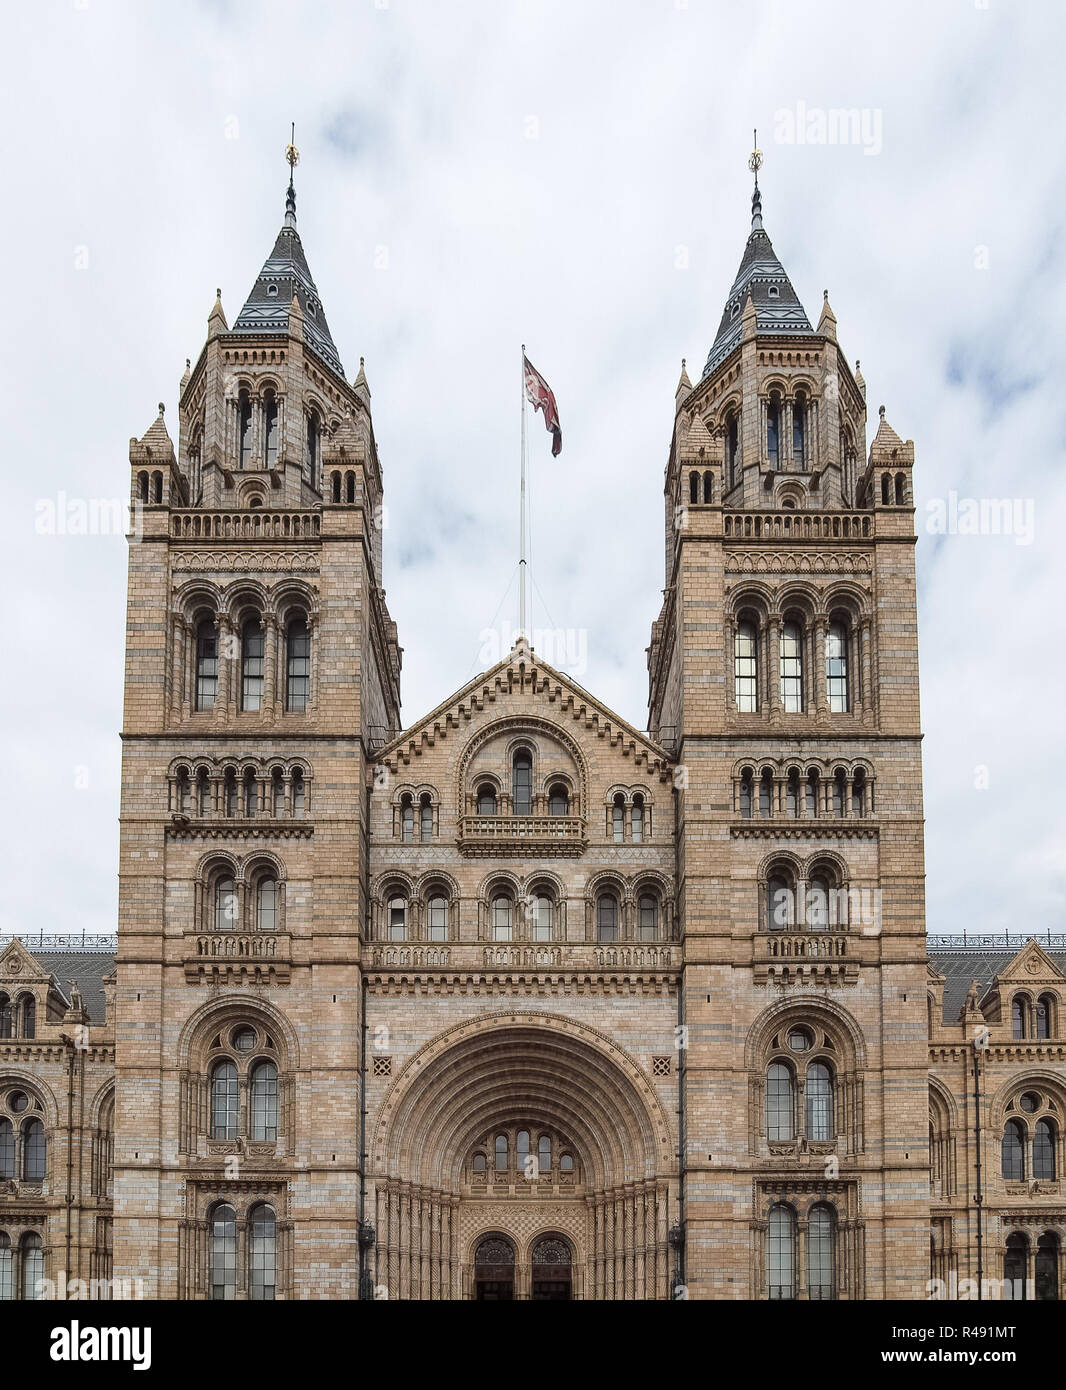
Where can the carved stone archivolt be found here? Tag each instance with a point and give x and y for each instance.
(243, 562)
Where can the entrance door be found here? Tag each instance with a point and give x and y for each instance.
(551, 1270)
(494, 1270)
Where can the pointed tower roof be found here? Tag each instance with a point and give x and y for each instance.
(762, 276)
(286, 274)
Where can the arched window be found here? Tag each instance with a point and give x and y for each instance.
(781, 1252)
(773, 430)
(836, 667)
(1013, 1164)
(312, 449)
(7, 1149)
(544, 1154)
(398, 919)
(244, 430)
(818, 902)
(226, 908)
(884, 489)
(1047, 1268)
(558, 800)
(821, 1283)
(266, 906)
(636, 816)
(647, 918)
(1017, 1016)
(270, 428)
(819, 1096)
(479, 1163)
(799, 433)
(780, 1103)
(732, 449)
(542, 918)
(792, 668)
(839, 790)
(486, 799)
(335, 487)
(501, 918)
(1044, 1151)
(708, 488)
(349, 487)
(566, 1163)
(899, 489)
(747, 790)
(206, 664)
(780, 902)
(606, 918)
(184, 792)
(251, 793)
(522, 1151)
(262, 1252)
(618, 819)
(7, 1268)
(745, 669)
(425, 811)
(298, 792)
(253, 650)
(34, 1152)
(522, 783)
(1042, 1017)
(407, 819)
(1015, 1263)
(858, 793)
(6, 1020)
(264, 1119)
(32, 1266)
(501, 1153)
(224, 1100)
(277, 786)
(813, 788)
(298, 659)
(438, 918)
(792, 793)
(229, 792)
(693, 487)
(224, 1252)
(203, 793)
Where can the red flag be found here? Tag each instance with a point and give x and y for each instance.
(541, 397)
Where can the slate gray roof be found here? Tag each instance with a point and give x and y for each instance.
(960, 967)
(777, 305)
(285, 273)
(88, 968)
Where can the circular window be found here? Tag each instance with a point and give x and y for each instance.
(1030, 1102)
(244, 1039)
(799, 1039)
(18, 1101)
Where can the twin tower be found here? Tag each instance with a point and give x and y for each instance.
(519, 1001)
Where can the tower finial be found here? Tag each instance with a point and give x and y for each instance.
(292, 157)
(755, 164)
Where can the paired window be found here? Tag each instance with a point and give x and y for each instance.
(628, 818)
(21, 1267)
(23, 1144)
(786, 1079)
(244, 1076)
(18, 1017)
(1033, 1020)
(781, 1252)
(261, 1233)
(1030, 1141)
(263, 908)
(1045, 1267)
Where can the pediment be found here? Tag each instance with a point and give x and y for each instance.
(18, 966)
(1032, 965)
(548, 695)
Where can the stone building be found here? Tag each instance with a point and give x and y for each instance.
(520, 1001)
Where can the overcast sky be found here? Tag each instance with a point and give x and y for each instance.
(574, 176)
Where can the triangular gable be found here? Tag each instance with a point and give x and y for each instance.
(562, 697)
(18, 965)
(1032, 966)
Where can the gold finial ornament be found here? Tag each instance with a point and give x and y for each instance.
(755, 158)
(292, 154)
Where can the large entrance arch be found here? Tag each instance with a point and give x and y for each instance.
(529, 1133)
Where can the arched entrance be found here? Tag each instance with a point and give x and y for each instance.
(520, 1156)
(494, 1270)
(552, 1277)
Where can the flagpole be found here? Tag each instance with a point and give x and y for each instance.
(522, 509)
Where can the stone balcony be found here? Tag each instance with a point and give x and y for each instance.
(505, 835)
(237, 958)
(829, 957)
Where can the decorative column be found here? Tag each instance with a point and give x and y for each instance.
(270, 663)
(773, 674)
(867, 676)
(819, 688)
